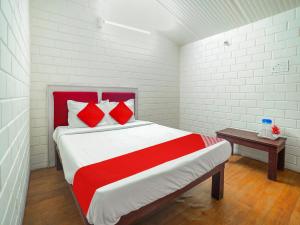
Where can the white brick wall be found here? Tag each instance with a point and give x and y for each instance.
(14, 109)
(68, 48)
(233, 86)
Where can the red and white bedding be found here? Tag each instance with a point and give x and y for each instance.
(80, 147)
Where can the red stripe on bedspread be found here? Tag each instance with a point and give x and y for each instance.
(89, 178)
(210, 140)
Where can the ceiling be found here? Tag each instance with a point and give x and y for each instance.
(184, 21)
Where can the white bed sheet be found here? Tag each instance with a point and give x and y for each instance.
(79, 147)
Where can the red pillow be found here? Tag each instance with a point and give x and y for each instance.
(91, 115)
(121, 113)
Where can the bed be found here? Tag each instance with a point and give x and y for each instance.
(127, 200)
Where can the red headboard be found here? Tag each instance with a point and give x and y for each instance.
(118, 96)
(60, 104)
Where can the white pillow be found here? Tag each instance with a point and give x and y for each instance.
(130, 104)
(75, 107)
(111, 105)
(103, 101)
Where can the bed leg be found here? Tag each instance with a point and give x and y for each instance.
(57, 161)
(217, 188)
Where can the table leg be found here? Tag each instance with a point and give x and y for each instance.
(272, 165)
(281, 159)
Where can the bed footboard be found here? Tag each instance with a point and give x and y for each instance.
(217, 191)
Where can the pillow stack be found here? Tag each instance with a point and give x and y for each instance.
(81, 114)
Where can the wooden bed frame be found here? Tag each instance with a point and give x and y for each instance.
(217, 191)
(216, 173)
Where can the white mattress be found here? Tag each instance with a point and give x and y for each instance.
(79, 147)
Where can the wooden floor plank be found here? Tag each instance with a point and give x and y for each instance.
(250, 199)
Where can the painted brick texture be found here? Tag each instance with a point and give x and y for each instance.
(234, 86)
(14, 109)
(68, 48)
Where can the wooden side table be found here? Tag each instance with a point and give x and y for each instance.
(275, 148)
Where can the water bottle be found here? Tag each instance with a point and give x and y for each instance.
(266, 130)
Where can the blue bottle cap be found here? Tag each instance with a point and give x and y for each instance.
(266, 121)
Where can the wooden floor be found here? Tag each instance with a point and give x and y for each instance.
(249, 199)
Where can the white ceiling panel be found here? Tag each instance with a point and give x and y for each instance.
(184, 21)
(204, 18)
